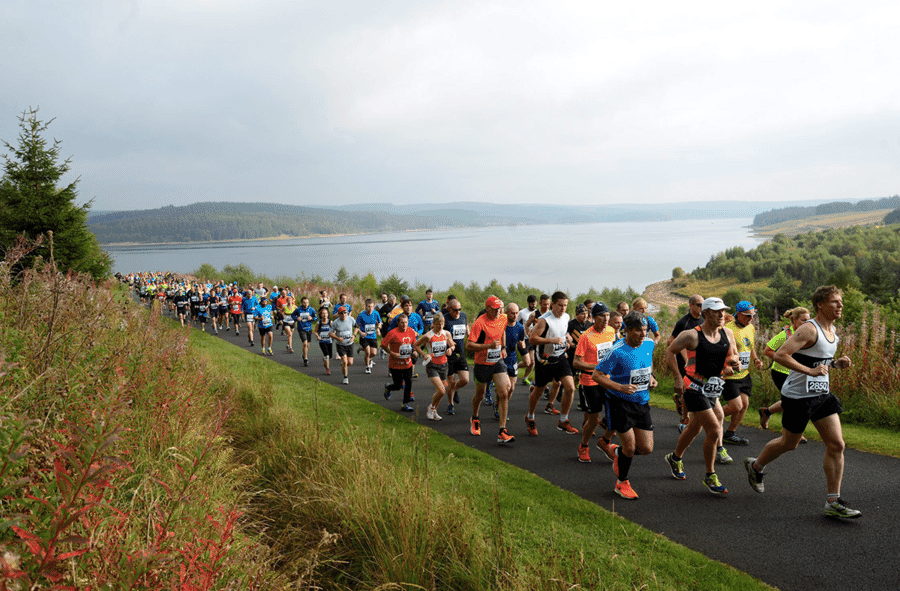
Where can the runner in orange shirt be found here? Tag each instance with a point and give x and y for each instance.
(488, 341)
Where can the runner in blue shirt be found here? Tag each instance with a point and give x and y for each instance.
(367, 325)
(248, 306)
(427, 308)
(626, 372)
(265, 319)
(305, 316)
(342, 302)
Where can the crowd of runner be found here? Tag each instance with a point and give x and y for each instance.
(609, 351)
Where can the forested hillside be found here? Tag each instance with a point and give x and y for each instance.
(245, 221)
(865, 259)
(784, 214)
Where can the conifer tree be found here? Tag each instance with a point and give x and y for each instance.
(32, 204)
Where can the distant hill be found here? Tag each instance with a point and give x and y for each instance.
(219, 221)
(791, 213)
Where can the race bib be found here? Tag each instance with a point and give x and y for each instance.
(438, 348)
(640, 378)
(459, 332)
(370, 328)
(744, 356)
(323, 335)
(559, 349)
(429, 315)
(602, 349)
(249, 317)
(817, 384)
(713, 387)
(288, 320)
(405, 351)
(346, 336)
(493, 355)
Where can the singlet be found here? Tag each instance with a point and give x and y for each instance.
(438, 345)
(556, 328)
(776, 343)
(324, 331)
(800, 385)
(705, 363)
(287, 310)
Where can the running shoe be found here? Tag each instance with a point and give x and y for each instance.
(722, 456)
(584, 453)
(613, 450)
(415, 375)
(488, 394)
(682, 427)
(432, 415)
(306, 363)
(251, 343)
(387, 392)
(547, 395)
(764, 417)
(531, 427)
(549, 410)
(603, 445)
(624, 490)
(368, 370)
(676, 466)
(346, 380)
(677, 399)
(756, 478)
(451, 410)
(236, 333)
(497, 412)
(290, 349)
(456, 398)
(327, 372)
(714, 486)
(840, 509)
(475, 426)
(734, 439)
(528, 382)
(566, 427)
(406, 408)
(504, 437)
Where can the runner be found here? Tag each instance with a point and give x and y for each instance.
(574, 330)
(427, 308)
(806, 397)
(626, 372)
(248, 306)
(399, 343)
(181, 305)
(389, 302)
(622, 308)
(615, 321)
(223, 307)
(203, 309)
(515, 343)
(438, 344)
(709, 346)
(739, 387)
(264, 315)
(797, 316)
(323, 334)
(641, 305)
(686, 322)
(288, 321)
(550, 338)
(488, 341)
(528, 356)
(342, 329)
(236, 305)
(458, 365)
(593, 344)
(368, 323)
(342, 301)
(304, 315)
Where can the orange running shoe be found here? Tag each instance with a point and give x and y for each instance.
(476, 426)
(584, 453)
(566, 427)
(531, 427)
(624, 490)
(504, 437)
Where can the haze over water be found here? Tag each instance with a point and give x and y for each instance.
(570, 257)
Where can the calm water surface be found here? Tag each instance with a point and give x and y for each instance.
(570, 257)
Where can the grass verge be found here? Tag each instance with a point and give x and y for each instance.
(352, 495)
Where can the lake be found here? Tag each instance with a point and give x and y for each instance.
(568, 257)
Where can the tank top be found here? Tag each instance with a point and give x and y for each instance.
(556, 328)
(705, 363)
(800, 385)
(437, 346)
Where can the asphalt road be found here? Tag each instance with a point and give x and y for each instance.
(780, 536)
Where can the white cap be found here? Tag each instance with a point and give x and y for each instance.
(713, 304)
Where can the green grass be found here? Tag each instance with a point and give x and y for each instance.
(328, 461)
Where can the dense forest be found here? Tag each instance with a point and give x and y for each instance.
(863, 260)
(202, 222)
(784, 214)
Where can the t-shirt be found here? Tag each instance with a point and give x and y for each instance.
(304, 317)
(401, 343)
(343, 329)
(629, 365)
(367, 323)
(427, 310)
(415, 323)
(264, 313)
(514, 334)
(486, 331)
(457, 328)
(236, 302)
(591, 347)
(346, 305)
(744, 339)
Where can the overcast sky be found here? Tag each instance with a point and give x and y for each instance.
(177, 101)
